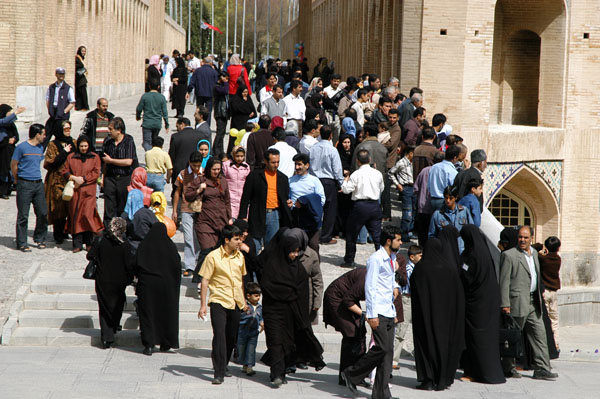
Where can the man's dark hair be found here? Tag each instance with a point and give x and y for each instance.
(35, 129)
(419, 111)
(294, 84)
(269, 152)
(278, 134)
(253, 288)
(394, 111)
(269, 74)
(352, 87)
(451, 191)
(352, 80)
(371, 129)
(452, 152)
(552, 244)
(223, 74)
(474, 183)
(383, 100)
(277, 87)
(117, 124)
(453, 139)
(154, 84)
(335, 76)
(351, 113)
(438, 119)
(415, 90)
(372, 78)
(241, 224)
(183, 120)
(309, 125)
(301, 157)
(362, 92)
(264, 121)
(297, 75)
(399, 97)
(389, 231)
(438, 157)
(325, 132)
(414, 250)
(408, 150)
(158, 141)
(428, 133)
(363, 157)
(203, 111)
(196, 157)
(230, 231)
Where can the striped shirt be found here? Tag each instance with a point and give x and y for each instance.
(101, 132)
(124, 150)
(402, 172)
(409, 269)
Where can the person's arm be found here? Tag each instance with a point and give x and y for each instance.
(169, 175)
(349, 185)
(371, 293)
(139, 109)
(338, 171)
(476, 213)
(392, 175)
(432, 225)
(71, 98)
(165, 115)
(203, 293)
(317, 284)
(117, 162)
(14, 167)
(206, 271)
(191, 192)
(320, 191)
(505, 273)
(176, 197)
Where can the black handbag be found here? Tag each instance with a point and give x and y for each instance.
(510, 338)
(90, 270)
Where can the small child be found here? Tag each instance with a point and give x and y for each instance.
(158, 163)
(251, 324)
(384, 132)
(403, 336)
(471, 200)
(550, 262)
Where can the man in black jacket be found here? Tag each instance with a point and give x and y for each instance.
(183, 144)
(266, 192)
(95, 125)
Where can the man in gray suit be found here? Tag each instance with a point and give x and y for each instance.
(521, 297)
(202, 123)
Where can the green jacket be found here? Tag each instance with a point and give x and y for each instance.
(153, 106)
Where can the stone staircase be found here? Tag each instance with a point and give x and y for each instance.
(60, 309)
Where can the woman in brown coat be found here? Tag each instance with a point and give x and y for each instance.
(83, 169)
(56, 156)
(216, 207)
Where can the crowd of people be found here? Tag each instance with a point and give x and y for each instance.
(306, 164)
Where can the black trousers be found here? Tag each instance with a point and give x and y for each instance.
(115, 196)
(217, 147)
(353, 348)
(386, 197)
(225, 324)
(380, 356)
(364, 213)
(84, 237)
(58, 229)
(329, 209)
(422, 226)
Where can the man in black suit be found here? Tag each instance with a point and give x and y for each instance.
(202, 123)
(183, 144)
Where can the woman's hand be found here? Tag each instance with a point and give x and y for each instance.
(251, 115)
(68, 147)
(78, 180)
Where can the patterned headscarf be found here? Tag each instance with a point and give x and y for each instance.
(135, 202)
(116, 229)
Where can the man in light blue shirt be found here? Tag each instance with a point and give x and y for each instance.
(303, 183)
(325, 163)
(379, 293)
(441, 176)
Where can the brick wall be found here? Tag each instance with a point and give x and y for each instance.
(118, 34)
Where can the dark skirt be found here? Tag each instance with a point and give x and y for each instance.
(81, 98)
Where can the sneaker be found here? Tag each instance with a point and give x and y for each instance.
(544, 375)
(228, 373)
(249, 371)
(217, 381)
(244, 369)
(513, 373)
(276, 383)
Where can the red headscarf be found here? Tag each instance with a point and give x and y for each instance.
(277, 121)
(138, 181)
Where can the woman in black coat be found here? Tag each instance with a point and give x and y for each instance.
(242, 108)
(9, 136)
(180, 79)
(81, 97)
(159, 278)
(113, 274)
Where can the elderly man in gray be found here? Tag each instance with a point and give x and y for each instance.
(416, 101)
(520, 296)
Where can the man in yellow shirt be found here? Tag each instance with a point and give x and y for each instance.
(158, 163)
(222, 273)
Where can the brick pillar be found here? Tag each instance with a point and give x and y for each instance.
(305, 27)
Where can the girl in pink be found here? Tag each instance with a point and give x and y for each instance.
(235, 171)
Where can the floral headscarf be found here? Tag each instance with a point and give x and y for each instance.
(116, 229)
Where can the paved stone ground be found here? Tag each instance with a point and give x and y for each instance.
(43, 372)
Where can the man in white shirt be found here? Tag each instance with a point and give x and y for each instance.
(361, 98)
(296, 108)
(60, 100)
(309, 137)
(286, 152)
(366, 185)
(267, 91)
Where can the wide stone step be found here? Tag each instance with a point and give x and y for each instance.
(197, 339)
(68, 319)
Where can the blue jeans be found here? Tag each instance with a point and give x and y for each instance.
(272, 222)
(191, 249)
(246, 346)
(362, 236)
(436, 204)
(31, 193)
(147, 135)
(156, 182)
(409, 205)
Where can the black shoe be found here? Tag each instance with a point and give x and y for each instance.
(349, 384)
(319, 365)
(513, 373)
(544, 375)
(106, 344)
(302, 366)
(425, 386)
(165, 348)
(276, 383)
(217, 381)
(227, 372)
(147, 351)
(349, 265)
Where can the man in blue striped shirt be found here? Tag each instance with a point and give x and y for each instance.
(441, 176)
(379, 293)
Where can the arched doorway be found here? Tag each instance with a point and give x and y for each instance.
(528, 63)
(511, 210)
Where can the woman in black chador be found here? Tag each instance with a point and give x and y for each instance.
(438, 316)
(159, 277)
(481, 359)
(284, 283)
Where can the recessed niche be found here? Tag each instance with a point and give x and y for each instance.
(586, 35)
(443, 32)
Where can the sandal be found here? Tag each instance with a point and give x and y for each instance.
(25, 249)
(187, 273)
(41, 245)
